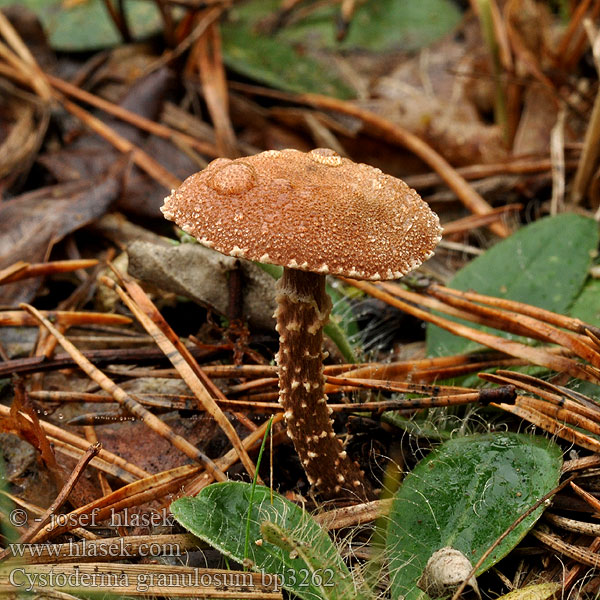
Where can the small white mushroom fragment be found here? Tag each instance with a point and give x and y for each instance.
(446, 569)
(313, 213)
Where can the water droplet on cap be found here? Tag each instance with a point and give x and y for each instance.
(232, 178)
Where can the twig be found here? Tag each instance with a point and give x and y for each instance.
(206, 56)
(467, 224)
(22, 59)
(59, 500)
(577, 553)
(588, 498)
(557, 151)
(513, 322)
(487, 11)
(564, 321)
(534, 386)
(25, 270)
(123, 470)
(133, 494)
(33, 364)
(573, 27)
(119, 19)
(591, 148)
(540, 420)
(252, 440)
(573, 575)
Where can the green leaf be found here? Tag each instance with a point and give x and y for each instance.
(587, 308)
(377, 26)
(587, 305)
(540, 591)
(276, 63)
(87, 25)
(298, 56)
(544, 264)
(464, 495)
(218, 515)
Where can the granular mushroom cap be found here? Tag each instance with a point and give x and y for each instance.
(313, 211)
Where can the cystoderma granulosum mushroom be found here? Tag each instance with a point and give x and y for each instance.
(315, 214)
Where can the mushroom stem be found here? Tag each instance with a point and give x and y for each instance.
(303, 308)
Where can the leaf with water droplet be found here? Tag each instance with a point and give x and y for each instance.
(465, 495)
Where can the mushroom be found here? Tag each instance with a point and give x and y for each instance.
(315, 214)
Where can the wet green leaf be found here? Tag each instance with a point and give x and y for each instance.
(218, 515)
(544, 264)
(464, 495)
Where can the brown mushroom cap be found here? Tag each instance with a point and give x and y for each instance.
(313, 211)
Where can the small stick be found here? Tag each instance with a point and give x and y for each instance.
(518, 165)
(13, 270)
(573, 575)
(519, 324)
(553, 427)
(589, 156)
(565, 415)
(564, 321)
(119, 19)
(562, 397)
(133, 494)
(19, 318)
(127, 470)
(101, 464)
(252, 440)
(59, 500)
(572, 525)
(577, 553)
(25, 270)
(573, 27)
(352, 516)
(90, 435)
(586, 496)
(473, 221)
(112, 356)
